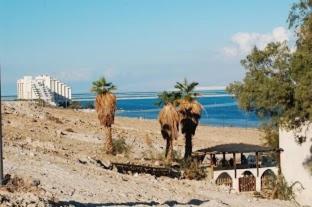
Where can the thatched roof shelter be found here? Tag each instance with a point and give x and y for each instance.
(236, 148)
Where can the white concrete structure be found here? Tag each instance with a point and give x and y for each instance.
(293, 158)
(43, 87)
(240, 174)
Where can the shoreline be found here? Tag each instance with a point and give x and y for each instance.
(156, 119)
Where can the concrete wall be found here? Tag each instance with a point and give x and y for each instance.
(292, 160)
(240, 172)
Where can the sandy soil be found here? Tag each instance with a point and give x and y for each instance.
(59, 147)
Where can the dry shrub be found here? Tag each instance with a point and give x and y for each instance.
(105, 106)
(282, 190)
(120, 146)
(193, 170)
(75, 105)
(53, 118)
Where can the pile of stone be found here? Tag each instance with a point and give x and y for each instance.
(24, 193)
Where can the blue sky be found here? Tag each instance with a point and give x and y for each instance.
(140, 45)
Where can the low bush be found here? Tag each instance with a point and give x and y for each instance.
(53, 118)
(75, 105)
(120, 146)
(193, 170)
(282, 190)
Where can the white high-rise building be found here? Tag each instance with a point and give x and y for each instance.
(45, 88)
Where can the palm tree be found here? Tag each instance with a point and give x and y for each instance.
(190, 111)
(169, 120)
(105, 105)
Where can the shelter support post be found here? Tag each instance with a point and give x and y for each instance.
(234, 162)
(257, 163)
(211, 166)
(278, 157)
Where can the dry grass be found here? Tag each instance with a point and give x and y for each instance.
(53, 118)
(283, 190)
(120, 146)
(75, 105)
(193, 170)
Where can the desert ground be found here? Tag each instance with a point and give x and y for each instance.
(55, 152)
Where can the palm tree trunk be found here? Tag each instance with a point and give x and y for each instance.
(169, 150)
(108, 140)
(188, 146)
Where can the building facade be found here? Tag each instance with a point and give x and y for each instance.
(45, 88)
(242, 167)
(293, 160)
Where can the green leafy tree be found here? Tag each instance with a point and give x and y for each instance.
(105, 105)
(278, 83)
(267, 88)
(300, 18)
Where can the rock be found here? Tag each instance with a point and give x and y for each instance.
(36, 182)
(63, 133)
(83, 161)
(107, 164)
(124, 178)
(157, 163)
(175, 164)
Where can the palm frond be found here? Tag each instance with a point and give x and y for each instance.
(101, 86)
(187, 89)
(166, 97)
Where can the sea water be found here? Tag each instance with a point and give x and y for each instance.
(220, 109)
